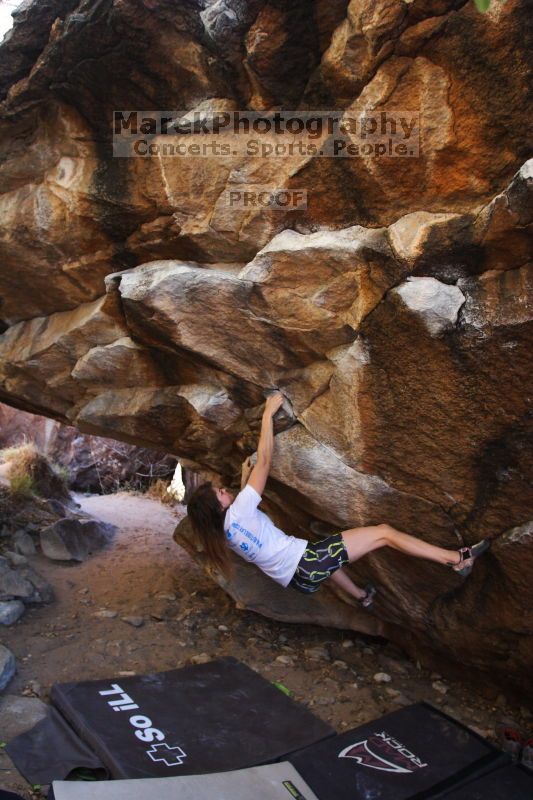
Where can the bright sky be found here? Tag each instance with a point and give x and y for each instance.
(6, 20)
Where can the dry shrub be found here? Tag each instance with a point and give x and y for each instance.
(30, 472)
(158, 491)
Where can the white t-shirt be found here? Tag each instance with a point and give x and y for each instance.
(253, 535)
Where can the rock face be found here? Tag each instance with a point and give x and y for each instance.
(394, 311)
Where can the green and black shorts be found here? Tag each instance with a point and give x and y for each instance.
(319, 561)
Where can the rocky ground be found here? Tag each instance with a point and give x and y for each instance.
(141, 604)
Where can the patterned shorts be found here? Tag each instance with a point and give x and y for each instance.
(319, 561)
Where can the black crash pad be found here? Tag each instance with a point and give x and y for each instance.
(412, 753)
(506, 783)
(210, 717)
(51, 751)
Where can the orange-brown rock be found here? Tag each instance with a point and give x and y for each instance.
(394, 311)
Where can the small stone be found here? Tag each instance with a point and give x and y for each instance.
(126, 673)
(13, 585)
(340, 664)
(382, 677)
(106, 613)
(286, 661)
(392, 692)
(402, 700)
(7, 666)
(501, 701)
(23, 543)
(347, 643)
(15, 559)
(137, 622)
(84, 590)
(395, 666)
(367, 651)
(440, 687)
(113, 649)
(11, 611)
(164, 596)
(42, 592)
(317, 653)
(225, 629)
(33, 689)
(33, 526)
(201, 658)
(19, 714)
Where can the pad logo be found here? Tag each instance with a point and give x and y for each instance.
(162, 752)
(144, 729)
(293, 791)
(383, 752)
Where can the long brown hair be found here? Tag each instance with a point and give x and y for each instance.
(207, 519)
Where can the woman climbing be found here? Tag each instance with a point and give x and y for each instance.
(224, 522)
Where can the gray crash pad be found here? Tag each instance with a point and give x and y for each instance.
(271, 782)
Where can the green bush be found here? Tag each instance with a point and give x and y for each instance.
(21, 485)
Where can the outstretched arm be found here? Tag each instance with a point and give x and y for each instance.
(265, 448)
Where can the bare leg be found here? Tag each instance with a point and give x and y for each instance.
(360, 541)
(341, 579)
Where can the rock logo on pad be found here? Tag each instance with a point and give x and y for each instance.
(383, 752)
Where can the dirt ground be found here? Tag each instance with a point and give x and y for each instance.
(183, 615)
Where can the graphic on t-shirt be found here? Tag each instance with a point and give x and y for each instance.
(250, 546)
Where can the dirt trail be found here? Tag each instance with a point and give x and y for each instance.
(183, 615)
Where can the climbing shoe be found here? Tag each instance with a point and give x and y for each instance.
(468, 556)
(510, 738)
(368, 599)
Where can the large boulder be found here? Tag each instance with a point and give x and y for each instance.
(394, 311)
(71, 539)
(23, 584)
